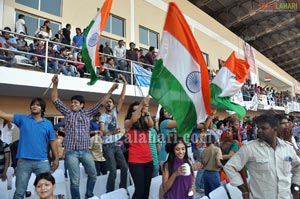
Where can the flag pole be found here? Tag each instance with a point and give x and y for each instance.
(59, 70)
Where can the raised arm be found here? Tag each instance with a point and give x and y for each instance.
(104, 99)
(6, 116)
(122, 98)
(137, 114)
(54, 93)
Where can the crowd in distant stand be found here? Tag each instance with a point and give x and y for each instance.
(64, 52)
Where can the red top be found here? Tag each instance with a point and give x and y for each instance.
(139, 148)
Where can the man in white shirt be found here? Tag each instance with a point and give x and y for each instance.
(120, 54)
(20, 24)
(7, 130)
(273, 164)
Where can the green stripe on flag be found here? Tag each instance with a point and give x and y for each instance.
(86, 58)
(224, 103)
(169, 93)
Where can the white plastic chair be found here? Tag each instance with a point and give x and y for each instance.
(3, 189)
(31, 187)
(218, 193)
(130, 190)
(100, 186)
(60, 183)
(234, 192)
(154, 188)
(117, 194)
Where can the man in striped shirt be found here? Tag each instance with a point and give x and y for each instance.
(77, 137)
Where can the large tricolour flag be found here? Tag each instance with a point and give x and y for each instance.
(227, 83)
(90, 53)
(180, 81)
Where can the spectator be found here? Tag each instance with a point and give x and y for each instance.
(41, 50)
(13, 151)
(65, 34)
(271, 176)
(111, 134)
(7, 129)
(77, 139)
(43, 34)
(107, 49)
(32, 153)
(78, 39)
(149, 57)
(22, 43)
(131, 52)
(44, 186)
(177, 182)
(64, 66)
(4, 158)
(211, 160)
(167, 126)
(20, 25)
(110, 73)
(137, 124)
(47, 30)
(96, 146)
(80, 67)
(120, 55)
(8, 41)
(155, 149)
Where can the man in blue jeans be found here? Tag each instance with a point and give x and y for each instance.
(77, 138)
(35, 133)
(111, 134)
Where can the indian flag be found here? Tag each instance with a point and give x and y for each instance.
(267, 79)
(228, 82)
(180, 81)
(90, 53)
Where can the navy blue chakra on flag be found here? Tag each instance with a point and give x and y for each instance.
(193, 83)
(93, 40)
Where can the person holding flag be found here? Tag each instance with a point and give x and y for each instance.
(180, 79)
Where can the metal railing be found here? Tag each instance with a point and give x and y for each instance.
(28, 38)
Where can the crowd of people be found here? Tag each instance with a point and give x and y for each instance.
(264, 149)
(64, 52)
(217, 149)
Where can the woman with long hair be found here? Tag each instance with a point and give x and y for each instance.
(137, 124)
(178, 176)
(167, 126)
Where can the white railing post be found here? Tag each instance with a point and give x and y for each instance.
(46, 57)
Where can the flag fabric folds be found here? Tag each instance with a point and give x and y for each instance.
(142, 76)
(229, 81)
(180, 79)
(90, 54)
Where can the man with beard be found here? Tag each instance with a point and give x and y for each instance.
(270, 162)
(35, 133)
(285, 131)
(111, 134)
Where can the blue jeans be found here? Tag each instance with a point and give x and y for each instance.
(24, 169)
(73, 159)
(51, 65)
(155, 171)
(114, 156)
(211, 181)
(65, 70)
(10, 60)
(199, 179)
